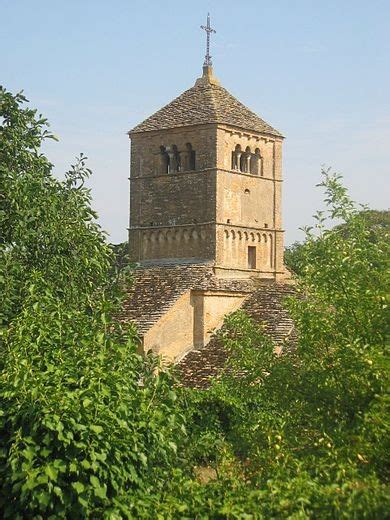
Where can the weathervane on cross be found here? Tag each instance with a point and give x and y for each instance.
(209, 30)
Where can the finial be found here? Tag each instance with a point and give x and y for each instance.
(209, 30)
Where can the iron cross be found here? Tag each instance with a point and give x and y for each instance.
(209, 30)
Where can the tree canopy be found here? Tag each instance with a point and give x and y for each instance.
(84, 420)
(91, 429)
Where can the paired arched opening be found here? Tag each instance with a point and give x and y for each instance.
(246, 161)
(172, 160)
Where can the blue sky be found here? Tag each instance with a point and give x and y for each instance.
(317, 71)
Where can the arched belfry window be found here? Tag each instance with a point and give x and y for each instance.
(188, 158)
(256, 163)
(173, 160)
(247, 161)
(164, 160)
(241, 161)
(236, 158)
(192, 158)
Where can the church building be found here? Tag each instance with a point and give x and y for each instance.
(205, 215)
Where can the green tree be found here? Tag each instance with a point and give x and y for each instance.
(88, 428)
(86, 423)
(378, 221)
(121, 254)
(306, 433)
(293, 258)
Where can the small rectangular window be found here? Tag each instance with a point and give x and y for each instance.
(251, 257)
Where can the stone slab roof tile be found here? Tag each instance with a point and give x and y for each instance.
(205, 103)
(155, 289)
(264, 305)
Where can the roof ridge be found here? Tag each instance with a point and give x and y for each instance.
(244, 107)
(213, 99)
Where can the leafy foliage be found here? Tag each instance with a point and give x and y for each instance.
(293, 258)
(378, 223)
(307, 432)
(121, 254)
(90, 429)
(85, 422)
(47, 226)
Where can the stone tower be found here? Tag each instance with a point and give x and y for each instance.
(205, 185)
(205, 227)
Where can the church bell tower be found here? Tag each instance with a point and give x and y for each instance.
(205, 184)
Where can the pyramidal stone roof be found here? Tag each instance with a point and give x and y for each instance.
(206, 102)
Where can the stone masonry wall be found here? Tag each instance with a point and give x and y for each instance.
(228, 138)
(173, 242)
(249, 203)
(170, 213)
(145, 148)
(233, 243)
(173, 199)
(215, 212)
